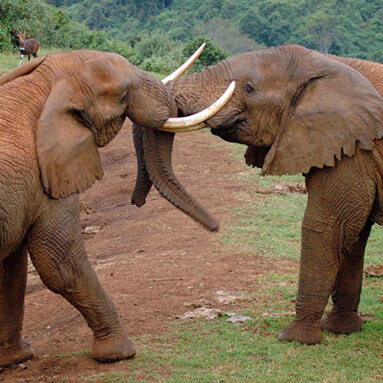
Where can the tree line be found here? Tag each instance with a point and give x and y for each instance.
(342, 27)
(158, 34)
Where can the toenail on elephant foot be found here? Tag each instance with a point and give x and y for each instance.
(306, 333)
(16, 354)
(112, 349)
(342, 324)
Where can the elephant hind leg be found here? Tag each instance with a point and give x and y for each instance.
(344, 318)
(13, 277)
(340, 200)
(57, 251)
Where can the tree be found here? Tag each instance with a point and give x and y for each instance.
(96, 18)
(211, 54)
(226, 35)
(271, 22)
(320, 31)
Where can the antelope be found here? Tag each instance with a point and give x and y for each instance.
(27, 47)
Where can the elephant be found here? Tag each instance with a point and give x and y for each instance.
(300, 111)
(76, 102)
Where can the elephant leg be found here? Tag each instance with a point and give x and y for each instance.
(339, 203)
(318, 269)
(344, 318)
(58, 253)
(13, 278)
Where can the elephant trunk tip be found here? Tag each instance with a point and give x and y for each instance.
(213, 226)
(206, 220)
(139, 202)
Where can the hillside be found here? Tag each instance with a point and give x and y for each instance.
(347, 28)
(158, 35)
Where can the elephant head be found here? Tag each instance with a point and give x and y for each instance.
(295, 108)
(82, 99)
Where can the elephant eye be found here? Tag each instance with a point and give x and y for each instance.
(248, 88)
(125, 98)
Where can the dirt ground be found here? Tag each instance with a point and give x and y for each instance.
(154, 262)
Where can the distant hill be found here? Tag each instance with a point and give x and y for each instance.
(342, 27)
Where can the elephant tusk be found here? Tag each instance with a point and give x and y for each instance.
(196, 121)
(183, 68)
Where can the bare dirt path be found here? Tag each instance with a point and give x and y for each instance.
(154, 262)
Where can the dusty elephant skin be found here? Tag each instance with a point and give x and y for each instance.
(76, 102)
(299, 111)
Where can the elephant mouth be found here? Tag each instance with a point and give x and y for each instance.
(228, 134)
(224, 130)
(229, 128)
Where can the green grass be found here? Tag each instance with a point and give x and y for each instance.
(269, 226)
(210, 352)
(10, 60)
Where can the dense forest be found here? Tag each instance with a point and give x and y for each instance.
(157, 33)
(342, 27)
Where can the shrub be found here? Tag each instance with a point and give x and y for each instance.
(5, 39)
(212, 53)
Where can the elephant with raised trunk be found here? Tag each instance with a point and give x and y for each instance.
(76, 102)
(299, 111)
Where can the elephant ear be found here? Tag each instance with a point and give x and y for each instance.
(66, 149)
(332, 111)
(23, 70)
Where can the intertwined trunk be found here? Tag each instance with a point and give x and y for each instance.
(154, 148)
(143, 182)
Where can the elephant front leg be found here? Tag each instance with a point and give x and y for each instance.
(318, 269)
(13, 277)
(344, 318)
(58, 253)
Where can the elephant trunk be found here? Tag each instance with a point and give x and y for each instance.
(154, 148)
(143, 182)
(197, 91)
(158, 147)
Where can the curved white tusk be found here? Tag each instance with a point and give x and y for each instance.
(196, 121)
(183, 68)
(186, 129)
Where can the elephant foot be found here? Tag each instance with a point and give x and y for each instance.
(16, 354)
(113, 348)
(345, 323)
(301, 331)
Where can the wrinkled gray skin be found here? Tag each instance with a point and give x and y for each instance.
(75, 102)
(300, 111)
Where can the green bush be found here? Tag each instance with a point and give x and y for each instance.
(5, 39)
(157, 52)
(156, 44)
(52, 27)
(211, 55)
(158, 65)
